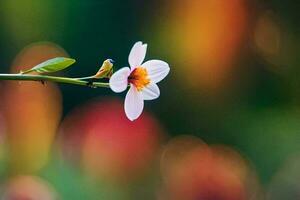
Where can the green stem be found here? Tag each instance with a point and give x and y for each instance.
(85, 78)
(74, 81)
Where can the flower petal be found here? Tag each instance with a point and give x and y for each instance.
(118, 82)
(150, 92)
(134, 103)
(157, 70)
(137, 54)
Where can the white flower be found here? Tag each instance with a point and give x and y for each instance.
(142, 78)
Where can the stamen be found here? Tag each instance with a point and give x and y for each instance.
(139, 78)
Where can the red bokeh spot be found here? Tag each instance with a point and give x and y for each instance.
(111, 146)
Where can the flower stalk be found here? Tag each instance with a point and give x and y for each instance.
(42, 78)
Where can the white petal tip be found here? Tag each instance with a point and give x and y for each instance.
(131, 119)
(137, 54)
(132, 116)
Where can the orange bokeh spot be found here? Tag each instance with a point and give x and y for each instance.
(28, 187)
(208, 36)
(32, 112)
(267, 39)
(193, 170)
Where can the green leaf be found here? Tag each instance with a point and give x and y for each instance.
(52, 65)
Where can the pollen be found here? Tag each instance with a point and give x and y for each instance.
(139, 78)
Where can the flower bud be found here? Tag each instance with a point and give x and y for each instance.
(105, 70)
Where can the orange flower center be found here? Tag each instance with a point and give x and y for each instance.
(139, 78)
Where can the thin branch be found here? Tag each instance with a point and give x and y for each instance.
(74, 81)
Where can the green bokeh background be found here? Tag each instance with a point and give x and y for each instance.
(261, 119)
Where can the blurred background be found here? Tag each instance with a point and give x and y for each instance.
(226, 126)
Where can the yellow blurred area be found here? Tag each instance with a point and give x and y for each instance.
(32, 111)
(193, 170)
(208, 36)
(112, 148)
